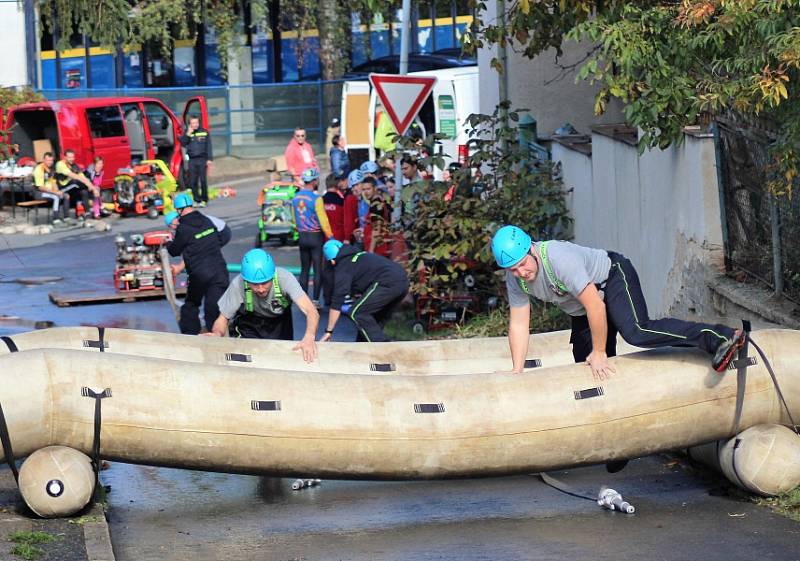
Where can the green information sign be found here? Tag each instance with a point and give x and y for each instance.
(447, 116)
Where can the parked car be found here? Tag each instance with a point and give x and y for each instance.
(417, 62)
(123, 130)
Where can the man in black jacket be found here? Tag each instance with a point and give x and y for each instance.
(200, 244)
(382, 284)
(197, 143)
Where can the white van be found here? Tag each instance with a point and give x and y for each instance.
(453, 100)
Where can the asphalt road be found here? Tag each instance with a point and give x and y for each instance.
(162, 514)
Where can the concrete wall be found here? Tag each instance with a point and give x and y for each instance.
(551, 94)
(661, 210)
(13, 71)
(541, 86)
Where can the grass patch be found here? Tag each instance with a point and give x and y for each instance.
(27, 542)
(83, 520)
(787, 505)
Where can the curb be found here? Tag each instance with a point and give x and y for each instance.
(96, 536)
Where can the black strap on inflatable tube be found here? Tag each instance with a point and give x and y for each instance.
(101, 333)
(6, 440)
(12, 346)
(741, 377)
(782, 399)
(98, 397)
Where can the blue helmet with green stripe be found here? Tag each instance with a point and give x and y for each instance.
(257, 266)
(170, 216)
(331, 249)
(510, 245)
(182, 200)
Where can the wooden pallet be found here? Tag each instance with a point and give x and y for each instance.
(88, 297)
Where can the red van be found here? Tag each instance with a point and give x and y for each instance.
(123, 130)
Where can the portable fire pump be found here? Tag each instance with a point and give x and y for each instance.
(144, 189)
(138, 264)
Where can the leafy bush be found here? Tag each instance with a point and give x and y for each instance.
(544, 318)
(449, 241)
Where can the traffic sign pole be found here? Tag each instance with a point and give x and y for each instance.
(398, 174)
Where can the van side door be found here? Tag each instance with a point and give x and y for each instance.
(109, 139)
(355, 119)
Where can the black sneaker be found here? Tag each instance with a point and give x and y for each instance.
(726, 350)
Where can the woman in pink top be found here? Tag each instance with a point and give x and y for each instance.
(299, 155)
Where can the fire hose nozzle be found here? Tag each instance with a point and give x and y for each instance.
(612, 500)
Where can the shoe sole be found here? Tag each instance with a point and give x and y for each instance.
(729, 355)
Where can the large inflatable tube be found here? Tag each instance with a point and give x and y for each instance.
(451, 356)
(764, 459)
(220, 418)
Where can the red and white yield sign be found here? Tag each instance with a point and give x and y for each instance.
(402, 96)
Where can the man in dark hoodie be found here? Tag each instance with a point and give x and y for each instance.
(382, 284)
(200, 243)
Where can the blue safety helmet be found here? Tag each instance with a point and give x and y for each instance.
(170, 216)
(510, 245)
(182, 200)
(355, 177)
(331, 249)
(310, 175)
(369, 167)
(257, 266)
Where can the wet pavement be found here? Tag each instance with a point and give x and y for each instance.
(167, 514)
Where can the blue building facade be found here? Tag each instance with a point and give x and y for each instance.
(283, 56)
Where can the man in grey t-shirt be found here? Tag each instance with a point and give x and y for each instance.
(258, 305)
(600, 291)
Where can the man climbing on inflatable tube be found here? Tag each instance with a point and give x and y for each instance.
(600, 291)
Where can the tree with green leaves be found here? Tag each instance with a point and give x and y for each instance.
(676, 63)
(133, 23)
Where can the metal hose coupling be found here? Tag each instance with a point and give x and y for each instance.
(612, 500)
(304, 483)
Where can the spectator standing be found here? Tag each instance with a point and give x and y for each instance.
(340, 161)
(313, 229)
(334, 201)
(299, 155)
(197, 143)
(353, 225)
(377, 237)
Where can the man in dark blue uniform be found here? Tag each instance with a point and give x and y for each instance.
(381, 282)
(200, 244)
(197, 143)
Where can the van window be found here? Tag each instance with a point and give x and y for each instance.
(105, 121)
(161, 130)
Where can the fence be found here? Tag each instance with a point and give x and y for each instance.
(247, 121)
(762, 231)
